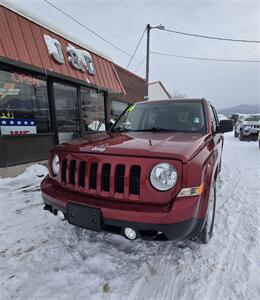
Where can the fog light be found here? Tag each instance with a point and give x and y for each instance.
(130, 233)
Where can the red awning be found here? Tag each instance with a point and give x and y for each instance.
(22, 40)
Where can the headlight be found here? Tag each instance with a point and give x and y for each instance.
(247, 127)
(163, 176)
(55, 165)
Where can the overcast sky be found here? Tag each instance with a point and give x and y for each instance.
(123, 21)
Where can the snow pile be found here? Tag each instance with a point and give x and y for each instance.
(43, 257)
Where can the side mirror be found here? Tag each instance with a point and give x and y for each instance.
(225, 126)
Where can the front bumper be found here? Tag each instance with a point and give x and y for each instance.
(251, 133)
(175, 231)
(149, 221)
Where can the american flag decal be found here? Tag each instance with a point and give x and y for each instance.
(18, 126)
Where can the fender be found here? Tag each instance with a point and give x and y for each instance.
(203, 169)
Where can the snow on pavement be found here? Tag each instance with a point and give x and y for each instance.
(43, 257)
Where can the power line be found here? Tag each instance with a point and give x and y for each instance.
(136, 48)
(140, 64)
(206, 58)
(129, 10)
(212, 37)
(90, 30)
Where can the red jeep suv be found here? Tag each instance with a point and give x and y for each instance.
(152, 175)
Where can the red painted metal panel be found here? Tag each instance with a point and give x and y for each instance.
(17, 36)
(22, 40)
(114, 81)
(2, 53)
(101, 71)
(118, 79)
(111, 80)
(96, 79)
(30, 43)
(106, 82)
(6, 37)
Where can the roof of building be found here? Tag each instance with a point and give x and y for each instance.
(54, 28)
(22, 42)
(163, 87)
(130, 73)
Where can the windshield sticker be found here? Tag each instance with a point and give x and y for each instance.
(131, 108)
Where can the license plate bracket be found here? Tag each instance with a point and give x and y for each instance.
(84, 216)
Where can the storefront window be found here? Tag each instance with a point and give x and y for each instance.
(24, 105)
(65, 98)
(117, 107)
(93, 110)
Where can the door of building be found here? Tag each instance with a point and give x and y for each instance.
(67, 116)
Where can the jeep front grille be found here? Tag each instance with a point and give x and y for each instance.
(106, 179)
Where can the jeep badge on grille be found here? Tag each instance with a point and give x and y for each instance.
(98, 149)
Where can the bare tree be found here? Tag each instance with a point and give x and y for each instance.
(178, 95)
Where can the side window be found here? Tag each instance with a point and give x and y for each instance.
(214, 120)
(216, 115)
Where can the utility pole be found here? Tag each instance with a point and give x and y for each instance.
(148, 28)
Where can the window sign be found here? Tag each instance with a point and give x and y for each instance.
(23, 99)
(78, 58)
(8, 89)
(24, 78)
(17, 126)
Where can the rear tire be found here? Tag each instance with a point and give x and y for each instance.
(207, 229)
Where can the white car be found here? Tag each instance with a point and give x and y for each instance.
(247, 127)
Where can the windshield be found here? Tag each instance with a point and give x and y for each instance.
(253, 118)
(166, 116)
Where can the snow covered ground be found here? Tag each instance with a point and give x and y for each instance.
(42, 257)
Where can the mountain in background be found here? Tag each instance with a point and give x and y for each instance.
(242, 109)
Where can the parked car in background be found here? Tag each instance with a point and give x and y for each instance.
(247, 127)
(152, 175)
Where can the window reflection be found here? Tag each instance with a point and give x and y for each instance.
(92, 110)
(24, 97)
(66, 111)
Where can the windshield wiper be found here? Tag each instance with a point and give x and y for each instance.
(156, 129)
(120, 129)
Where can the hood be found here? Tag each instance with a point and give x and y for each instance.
(251, 123)
(170, 145)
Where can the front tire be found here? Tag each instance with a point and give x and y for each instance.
(241, 136)
(207, 229)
